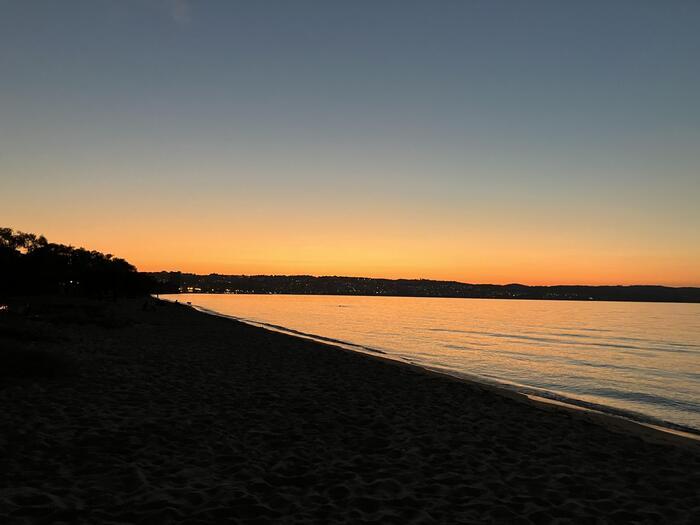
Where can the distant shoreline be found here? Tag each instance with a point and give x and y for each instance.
(178, 282)
(442, 297)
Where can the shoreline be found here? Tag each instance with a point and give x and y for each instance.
(163, 414)
(437, 297)
(638, 424)
(546, 297)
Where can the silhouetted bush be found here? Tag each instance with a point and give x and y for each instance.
(29, 264)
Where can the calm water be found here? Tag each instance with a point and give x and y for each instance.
(642, 358)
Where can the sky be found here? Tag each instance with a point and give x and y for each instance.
(541, 142)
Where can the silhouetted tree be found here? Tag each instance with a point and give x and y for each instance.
(29, 264)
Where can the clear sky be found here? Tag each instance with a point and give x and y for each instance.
(482, 141)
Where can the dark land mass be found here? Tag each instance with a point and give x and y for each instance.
(125, 411)
(30, 264)
(175, 282)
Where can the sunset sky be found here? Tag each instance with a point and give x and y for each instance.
(481, 141)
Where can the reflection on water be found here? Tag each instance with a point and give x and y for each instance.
(641, 357)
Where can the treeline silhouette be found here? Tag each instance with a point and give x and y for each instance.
(31, 265)
(174, 282)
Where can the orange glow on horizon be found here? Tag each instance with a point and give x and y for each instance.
(477, 244)
(477, 259)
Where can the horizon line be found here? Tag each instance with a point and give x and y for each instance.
(427, 279)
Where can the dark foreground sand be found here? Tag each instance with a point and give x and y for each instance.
(171, 416)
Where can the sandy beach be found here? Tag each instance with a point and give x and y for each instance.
(168, 415)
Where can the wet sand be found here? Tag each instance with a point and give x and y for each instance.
(173, 416)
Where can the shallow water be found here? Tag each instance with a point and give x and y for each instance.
(639, 358)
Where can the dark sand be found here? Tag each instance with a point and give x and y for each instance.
(173, 416)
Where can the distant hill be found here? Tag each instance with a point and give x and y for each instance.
(175, 282)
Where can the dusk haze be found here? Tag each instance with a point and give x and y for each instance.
(350, 262)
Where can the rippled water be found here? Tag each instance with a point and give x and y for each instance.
(642, 358)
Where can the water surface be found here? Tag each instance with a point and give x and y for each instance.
(639, 358)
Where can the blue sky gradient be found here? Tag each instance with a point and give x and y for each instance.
(557, 129)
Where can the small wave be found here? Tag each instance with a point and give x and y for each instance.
(564, 341)
(549, 391)
(312, 336)
(570, 334)
(307, 335)
(591, 364)
(643, 397)
(471, 345)
(290, 331)
(459, 347)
